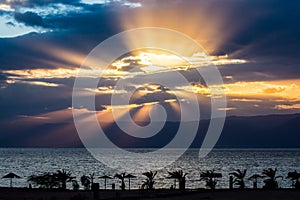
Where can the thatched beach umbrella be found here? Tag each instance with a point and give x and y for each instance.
(105, 177)
(129, 176)
(11, 176)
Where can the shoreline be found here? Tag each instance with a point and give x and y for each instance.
(218, 194)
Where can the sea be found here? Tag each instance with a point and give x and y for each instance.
(28, 161)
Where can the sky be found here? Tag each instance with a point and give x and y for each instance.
(254, 44)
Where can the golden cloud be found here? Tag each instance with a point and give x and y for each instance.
(41, 73)
(6, 7)
(287, 89)
(287, 107)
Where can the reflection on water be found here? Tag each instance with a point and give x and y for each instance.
(26, 162)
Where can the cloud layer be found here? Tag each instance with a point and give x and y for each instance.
(250, 41)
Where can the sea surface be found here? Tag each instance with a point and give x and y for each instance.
(28, 161)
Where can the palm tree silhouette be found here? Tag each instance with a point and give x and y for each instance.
(254, 179)
(46, 180)
(211, 178)
(86, 182)
(270, 178)
(63, 177)
(121, 176)
(92, 178)
(75, 185)
(238, 177)
(149, 182)
(294, 176)
(180, 176)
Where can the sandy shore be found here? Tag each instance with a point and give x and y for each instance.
(38, 194)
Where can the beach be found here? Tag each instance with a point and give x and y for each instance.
(34, 161)
(222, 194)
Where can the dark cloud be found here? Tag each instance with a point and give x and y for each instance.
(27, 99)
(130, 69)
(33, 3)
(260, 71)
(30, 19)
(76, 32)
(268, 30)
(10, 24)
(3, 82)
(93, 19)
(257, 106)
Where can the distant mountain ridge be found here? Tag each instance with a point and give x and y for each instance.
(270, 131)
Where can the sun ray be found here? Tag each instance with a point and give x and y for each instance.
(191, 21)
(175, 106)
(142, 114)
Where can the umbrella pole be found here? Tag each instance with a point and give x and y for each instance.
(129, 184)
(105, 183)
(11, 182)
